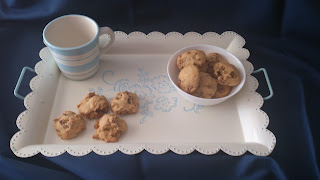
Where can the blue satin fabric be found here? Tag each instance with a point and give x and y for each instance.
(282, 36)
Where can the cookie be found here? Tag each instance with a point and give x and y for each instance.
(192, 57)
(207, 86)
(204, 67)
(125, 103)
(222, 91)
(188, 79)
(226, 74)
(213, 58)
(109, 128)
(93, 106)
(69, 124)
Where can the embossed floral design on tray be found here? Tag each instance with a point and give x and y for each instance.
(148, 89)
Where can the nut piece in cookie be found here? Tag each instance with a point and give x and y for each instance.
(189, 78)
(226, 74)
(222, 91)
(109, 128)
(192, 57)
(213, 58)
(69, 124)
(93, 106)
(207, 86)
(125, 103)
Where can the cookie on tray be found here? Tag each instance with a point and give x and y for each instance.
(207, 86)
(109, 128)
(69, 124)
(192, 57)
(125, 103)
(222, 91)
(226, 74)
(189, 78)
(93, 106)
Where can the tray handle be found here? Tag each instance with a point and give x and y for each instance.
(16, 89)
(267, 80)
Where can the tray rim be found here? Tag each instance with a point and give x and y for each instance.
(244, 147)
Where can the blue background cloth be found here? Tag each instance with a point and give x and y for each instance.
(282, 36)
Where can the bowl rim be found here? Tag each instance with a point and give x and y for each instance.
(205, 100)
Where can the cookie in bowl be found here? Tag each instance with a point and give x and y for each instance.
(226, 74)
(207, 86)
(193, 57)
(189, 78)
(222, 91)
(213, 58)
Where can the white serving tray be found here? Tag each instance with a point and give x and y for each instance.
(165, 121)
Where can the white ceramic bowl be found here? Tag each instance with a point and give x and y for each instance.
(173, 73)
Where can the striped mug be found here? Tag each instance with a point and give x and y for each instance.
(73, 41)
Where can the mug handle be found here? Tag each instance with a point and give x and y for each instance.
(109, 31)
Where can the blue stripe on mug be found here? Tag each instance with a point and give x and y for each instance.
(82, 77)
(77, 63)
(75, 69)
(66, 60)
(83, 74)
(76, 51)
(80, 56)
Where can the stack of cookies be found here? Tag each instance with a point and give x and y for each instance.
(109, 127)
(206, 75)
